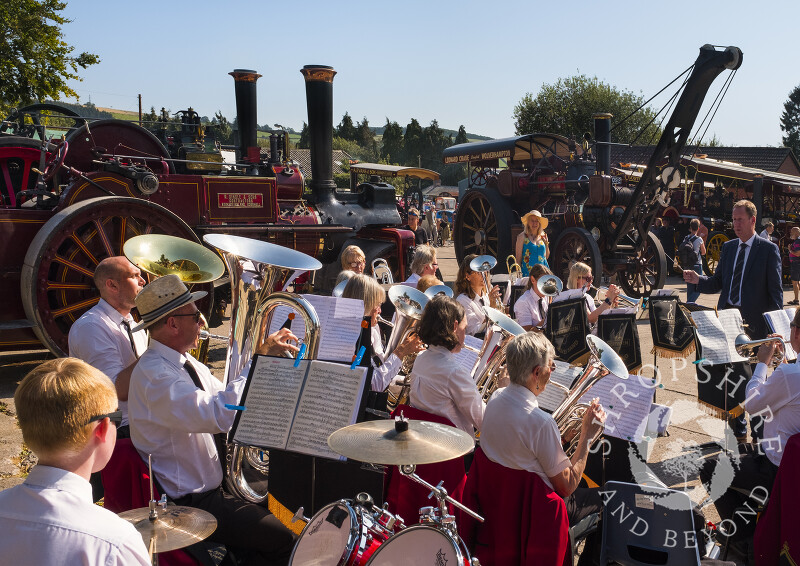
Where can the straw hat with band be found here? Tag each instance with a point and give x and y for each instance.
(161, 297)
(543, 222)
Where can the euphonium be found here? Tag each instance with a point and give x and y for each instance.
(492, 357)
(409, 304)
(381, 271)
(255, 269)
(749, 348)
(569, 415)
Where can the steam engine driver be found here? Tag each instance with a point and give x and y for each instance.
(175, 407)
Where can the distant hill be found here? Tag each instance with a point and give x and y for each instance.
(378, 131)
(84, 110)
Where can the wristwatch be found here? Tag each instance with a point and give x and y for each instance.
(607, 301)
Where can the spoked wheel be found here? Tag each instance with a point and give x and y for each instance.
(18, 157)
(31, 121)
(573, 245)
(646, 272)
(57, 286)
(483, 226)
(478, 177)
(713, 251)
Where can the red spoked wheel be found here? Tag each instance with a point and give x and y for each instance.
(57, 275)
(478, 176)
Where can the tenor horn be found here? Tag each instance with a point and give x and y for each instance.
(492, 357)
(381, 271)
(256, 269)
(549, 285)
(484, 265)
(408, 304)
(431, 292)
(603, 360)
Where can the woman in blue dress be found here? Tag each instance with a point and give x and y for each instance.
(532, 246)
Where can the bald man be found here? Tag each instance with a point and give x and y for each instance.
(102, 337)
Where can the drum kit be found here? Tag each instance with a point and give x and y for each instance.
(358, 533)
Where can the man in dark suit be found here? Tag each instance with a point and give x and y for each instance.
(748, 275)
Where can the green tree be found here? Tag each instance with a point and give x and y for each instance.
(412, 143)
(461, 137)
(222, 128)
(346, 129)
(433, 144)
(790, 121)
(392, 148)
(35, 61)
(566, 108)
(364, 136)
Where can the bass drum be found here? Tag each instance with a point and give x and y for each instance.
(339, 534)
(420, 544)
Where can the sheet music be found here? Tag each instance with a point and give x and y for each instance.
(619, 310)
(664, 293)
(552, 396)
(340, 323)
(330, 400)
(716, 345)
(569, 294)
(627, 404)
(779, 322)
(271, 402)
(790, 312)
(731, 321)
(466, 359)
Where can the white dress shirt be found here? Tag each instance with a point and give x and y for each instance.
(100, 339)
(518, 434)
(439, 386)
(476, 316)
(175, 421)
(412, 281)
(531, 309)
(390, 366)
(744, 267)
(779, 396)
(50, 519)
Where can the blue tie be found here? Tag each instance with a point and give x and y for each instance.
(736, 284)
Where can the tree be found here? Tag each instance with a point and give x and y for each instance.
(224, 131)
(566, 108)
(461, 137)
(433, 143)
(412, 143)
(35, 61)
(392, 148)
(346, 129)
(364, 135)
(790, 121)
(304, 142)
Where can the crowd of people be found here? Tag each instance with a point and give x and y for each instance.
(125, 379)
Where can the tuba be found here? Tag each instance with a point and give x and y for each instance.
(255, 269)
(603, 360)
(492, 356)
(409, 304)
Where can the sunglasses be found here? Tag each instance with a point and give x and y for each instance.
(357, 263)
(586, 277)
(115, 417)
(195, 314)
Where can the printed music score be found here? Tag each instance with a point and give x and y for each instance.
(569, 294)
(627, 404)
(552, 396)
(466, 358)
(717, 334)
(339, 321)
(779, 322)
(297, 408)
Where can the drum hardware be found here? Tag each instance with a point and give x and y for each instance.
(603, 360)
(255, 269)
(483, 264)
(439, 516)
(749, 348)
(501, 330)
(431, 292)
(381, 271)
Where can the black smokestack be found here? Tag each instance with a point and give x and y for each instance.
(319, 98)
(602, 134)
(246, 113)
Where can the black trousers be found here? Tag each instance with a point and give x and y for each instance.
(244, 525)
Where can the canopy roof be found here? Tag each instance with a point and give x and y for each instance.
(519, 148)
(384, 170)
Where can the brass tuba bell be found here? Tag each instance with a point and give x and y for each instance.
(160, 255)
(492, 356)
(408, 304)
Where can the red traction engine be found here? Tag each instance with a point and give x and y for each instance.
(66, 205)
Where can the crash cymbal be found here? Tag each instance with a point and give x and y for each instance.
(176, 527)
(379, 442)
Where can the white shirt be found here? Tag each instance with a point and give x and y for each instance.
(744, 266)
(531, 309)
(50, 519)
(476, 316)
(780, 395)
(175, 421)
(412, 281)
(100, 339)
(440, 387)
(518, 434)
(390, 365)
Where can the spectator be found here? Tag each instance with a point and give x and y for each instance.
(702, 231)
(766, 233)
(420, 237)
(794, 263)
(699, 251)
(353, 258)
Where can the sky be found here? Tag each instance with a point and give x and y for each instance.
(458, 62)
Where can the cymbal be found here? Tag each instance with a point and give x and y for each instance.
(177, 527)
(378, 442)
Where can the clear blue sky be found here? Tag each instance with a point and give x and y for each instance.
(460, 62)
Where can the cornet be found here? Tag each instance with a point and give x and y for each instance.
(749, 348)
(624, 301)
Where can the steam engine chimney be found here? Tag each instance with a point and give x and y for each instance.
(246, 113)
(602, 134)
(319, 98)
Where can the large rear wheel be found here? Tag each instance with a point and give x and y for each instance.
(646, 272)
(713, 251)
(57, 275)
(483, 226)
(575, 245)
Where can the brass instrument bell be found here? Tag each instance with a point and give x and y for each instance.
(549, 285)
(190, 261)
(749, 348)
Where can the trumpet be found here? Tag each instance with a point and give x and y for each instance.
(749, 348)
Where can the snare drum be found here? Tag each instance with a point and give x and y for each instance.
(420, 544)
(339, 534)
